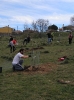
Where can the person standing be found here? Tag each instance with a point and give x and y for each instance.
(70, 38)
(49, 37)
(18, 61)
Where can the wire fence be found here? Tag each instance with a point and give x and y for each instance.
(35, 58)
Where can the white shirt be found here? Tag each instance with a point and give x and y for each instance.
(11, 43)
(17, 58)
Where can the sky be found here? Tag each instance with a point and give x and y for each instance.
(18, 13)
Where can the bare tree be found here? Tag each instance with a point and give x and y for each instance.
(72, 20)
(42, 24)
(25, 26)
(34, 25)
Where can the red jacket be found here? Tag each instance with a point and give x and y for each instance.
(14, 42)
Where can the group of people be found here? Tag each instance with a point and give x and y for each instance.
(50, 35)
(17, 61)
(13, 42)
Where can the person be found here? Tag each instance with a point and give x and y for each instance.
(17, 61)
(70, 38)
(11, 38)
(49, 37)
(26, 40)
(12, 45)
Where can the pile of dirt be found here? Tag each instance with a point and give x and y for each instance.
(43, 68)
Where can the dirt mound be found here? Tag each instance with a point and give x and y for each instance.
(43, 68)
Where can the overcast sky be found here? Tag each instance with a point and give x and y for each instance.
(19, 12)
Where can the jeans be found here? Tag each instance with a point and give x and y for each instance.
(18, 67)
(49, 40)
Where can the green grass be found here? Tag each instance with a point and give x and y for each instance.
(38, 86)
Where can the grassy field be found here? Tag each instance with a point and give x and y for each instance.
(54, 84)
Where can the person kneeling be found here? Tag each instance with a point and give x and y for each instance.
(17, 62)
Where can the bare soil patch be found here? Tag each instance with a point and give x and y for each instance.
(43, 68)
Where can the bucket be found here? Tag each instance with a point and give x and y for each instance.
(0, 69)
